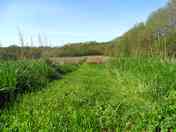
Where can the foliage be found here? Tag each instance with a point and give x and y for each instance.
(83, 49)
(127, 94)
(7, 76)
(67, 68)
(69, 50)
(27, 75)
(154, 37)
(32, 75)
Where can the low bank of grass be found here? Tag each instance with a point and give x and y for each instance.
(129, 94)
(28, 75)
(23, 74)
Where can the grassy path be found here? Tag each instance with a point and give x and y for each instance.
(63, 105)
(94, 97)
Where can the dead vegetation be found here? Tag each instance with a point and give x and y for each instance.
(79, 60)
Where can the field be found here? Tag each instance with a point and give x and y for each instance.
(79, 60)
(127, 94)
(53, 78)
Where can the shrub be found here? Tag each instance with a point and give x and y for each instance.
(32, 75)
(23, 75)
(28, 75)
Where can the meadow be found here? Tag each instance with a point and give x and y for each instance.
(126, 94)
(126, 84)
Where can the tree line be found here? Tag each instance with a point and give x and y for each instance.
(156, 36)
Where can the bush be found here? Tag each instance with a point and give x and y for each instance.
(20, 76)
(32, 75)
(28, 75)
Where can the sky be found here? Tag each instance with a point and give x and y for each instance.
(64, 21)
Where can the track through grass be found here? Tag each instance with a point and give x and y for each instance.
(127, 95)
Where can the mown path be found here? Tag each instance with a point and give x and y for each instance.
(67, 104)
(131, 95)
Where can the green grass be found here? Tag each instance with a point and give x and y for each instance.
(128, 94)
(7, 76)
(23, 75)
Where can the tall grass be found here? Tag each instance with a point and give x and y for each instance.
(27, 73)
(32, 75)
(157, 72)
(24, 75)
(128, 94)
(7, 76)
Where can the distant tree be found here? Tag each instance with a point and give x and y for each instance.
(172, 13)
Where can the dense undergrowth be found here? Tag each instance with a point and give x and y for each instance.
(128, 94)
(23, 74)
(26, 76)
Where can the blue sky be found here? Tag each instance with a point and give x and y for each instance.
(63, 21)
